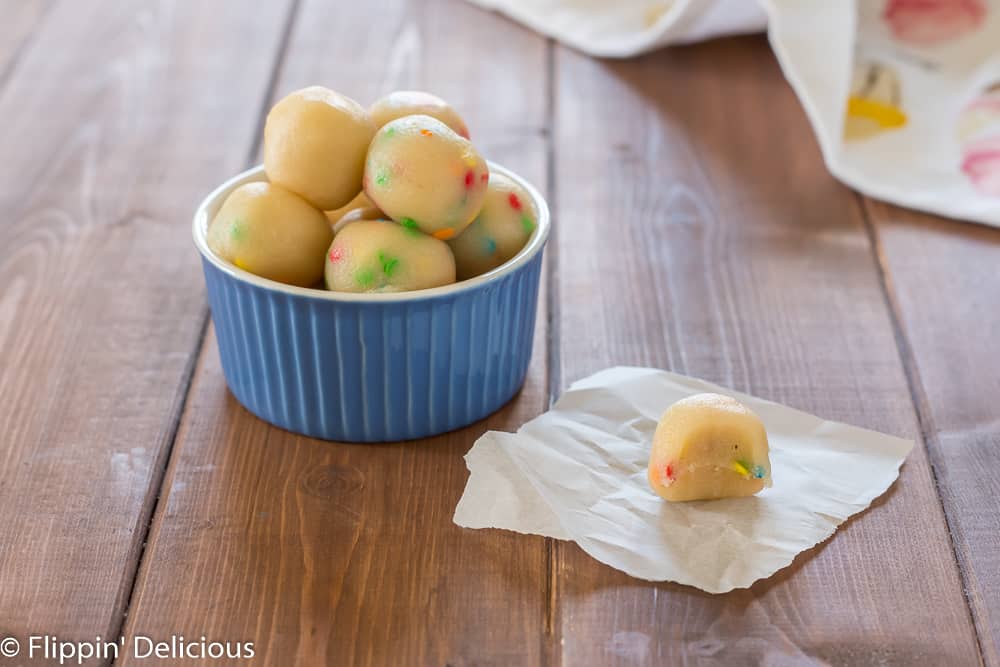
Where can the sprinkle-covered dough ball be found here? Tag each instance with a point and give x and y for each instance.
(410, 102)
(381, 256)
(708, 446)
(271, 232)
(426, 177)
(315, 141)
(501, 229)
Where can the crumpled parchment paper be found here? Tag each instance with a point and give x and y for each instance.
(578, 472)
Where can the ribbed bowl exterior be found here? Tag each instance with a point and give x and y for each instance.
(375, 371)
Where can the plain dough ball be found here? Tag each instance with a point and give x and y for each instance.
(381, 256)
(366, 213)
(271, 232)
(709, 446)
(410, 102)
(315, 141)
(426, 177)
(501, 229)
(360, 201)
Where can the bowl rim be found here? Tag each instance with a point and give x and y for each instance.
(534, 246)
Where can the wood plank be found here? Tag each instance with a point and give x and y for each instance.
(326, 553)
(700, 232)
(943, 281)
(110, 135)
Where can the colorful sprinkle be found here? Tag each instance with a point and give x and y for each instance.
(336, 254)
(389, 264)
(470, 178)
(742, 468)
(515, 203)
(410, 226)
(390, 131)
(382, 176)
(758, 472)
(491, 246)
(240, 263)
(365, 277)
(484, 177)
(668, 473)
(426, 132)
(444, 234)
(527, 224)
(238, 230)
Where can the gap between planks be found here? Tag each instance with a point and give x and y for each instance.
(919, 401)
(148, 519)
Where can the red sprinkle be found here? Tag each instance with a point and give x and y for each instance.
(668, 472)
(336, 253)
(515, 203)
(484, 177)
(470, 178)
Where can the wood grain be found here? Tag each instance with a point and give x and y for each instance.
(945, 288)
(107, 144)
(326, 553)
(700, 232)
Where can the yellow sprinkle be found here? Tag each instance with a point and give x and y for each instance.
(885, 115)
(741, 469)
(240, 264)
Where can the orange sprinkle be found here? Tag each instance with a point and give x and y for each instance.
(426, 132)
(444, 234)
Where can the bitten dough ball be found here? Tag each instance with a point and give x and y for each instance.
(708, 446)
(410, 102)
(501, 229)
(271, 232)
(381, 256)
(426, 177)
(315, 141)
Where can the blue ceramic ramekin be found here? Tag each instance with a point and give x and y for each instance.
(373, 367)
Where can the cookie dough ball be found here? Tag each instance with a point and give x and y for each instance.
(410, 102)
(366, 213)
(381, 256)
(709, 446)
(271, 232)
(314, 145)
(501, 229)
(360, 201)
(426, 177)
(875, 103)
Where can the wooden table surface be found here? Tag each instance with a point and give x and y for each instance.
(696, 229)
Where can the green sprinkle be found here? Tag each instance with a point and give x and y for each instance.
(527, 224)
(238, 231)
(410, 225)
(382, 176)
(389, 264)
(491, 246)
(365, 277)
(389, 131)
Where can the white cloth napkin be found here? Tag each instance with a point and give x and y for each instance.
(578, 472)
(904, 95)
